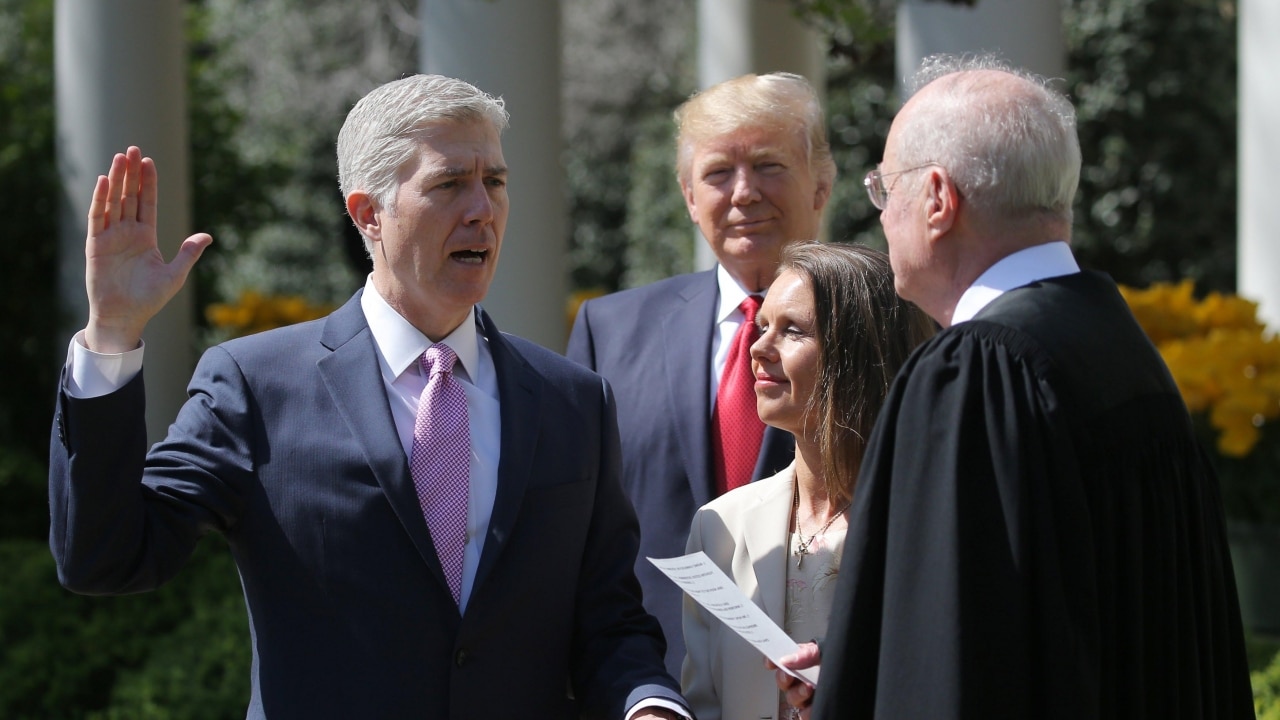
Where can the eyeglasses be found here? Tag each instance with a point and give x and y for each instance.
(876, 190)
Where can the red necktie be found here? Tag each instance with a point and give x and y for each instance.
(736, 429)
(440, 461)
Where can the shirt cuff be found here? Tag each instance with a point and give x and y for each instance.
(91, 374)
(655, 702)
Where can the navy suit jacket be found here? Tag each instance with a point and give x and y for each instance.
(653, 345)
(287, 447)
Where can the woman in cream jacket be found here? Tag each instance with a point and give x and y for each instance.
(833, 334)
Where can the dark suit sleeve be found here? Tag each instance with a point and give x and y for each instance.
(123, 520)
(618, 646)
(951, 602)
(581, 347)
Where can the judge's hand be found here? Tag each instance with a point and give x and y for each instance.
(126, 277)
(799, 694)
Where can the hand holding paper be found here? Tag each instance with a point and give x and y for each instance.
(707, 584)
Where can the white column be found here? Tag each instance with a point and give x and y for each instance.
(1258, 252)
(736, 37)
(120, 70)
(1028, 33)
(511, 48)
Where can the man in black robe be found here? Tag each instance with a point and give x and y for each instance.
(1035, 531)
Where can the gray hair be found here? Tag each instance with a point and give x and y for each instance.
(777, 100)
(382, 131)
(1013, 151)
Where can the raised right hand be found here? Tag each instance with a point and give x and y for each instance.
(126, 277)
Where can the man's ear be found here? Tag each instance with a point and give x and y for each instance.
(821, 195)
(942, 201)
(687, 191)
(366, 214)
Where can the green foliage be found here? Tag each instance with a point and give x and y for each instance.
(1154, 82)
(232, 189)
(1265, 679)
(861, 102)
(199, 670)
(179, 652)
(855, 28)
(28, 225)
(1262, 652)
(660, 237)
(626, 66)
(598, 180)
(24, 489)
(266, 177)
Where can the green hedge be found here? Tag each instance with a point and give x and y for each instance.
(180, 653)
(1264, 661)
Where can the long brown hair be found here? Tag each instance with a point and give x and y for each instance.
(865, 332)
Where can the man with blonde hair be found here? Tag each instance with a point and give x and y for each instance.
(755, 170)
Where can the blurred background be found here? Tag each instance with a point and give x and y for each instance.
(240, 102)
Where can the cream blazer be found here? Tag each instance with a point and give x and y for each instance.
(745, 533)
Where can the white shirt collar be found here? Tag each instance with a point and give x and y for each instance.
(1024, 267)
(401, 344)
(731, 294)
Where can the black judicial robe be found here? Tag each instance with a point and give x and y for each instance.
(1036, 531)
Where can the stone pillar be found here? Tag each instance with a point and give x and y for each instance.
(1028, 33)
(1258, 253)
(120, 70)
(511, 48)
(736, 37)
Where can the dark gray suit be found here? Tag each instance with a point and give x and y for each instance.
(653, 345)
(287, 447)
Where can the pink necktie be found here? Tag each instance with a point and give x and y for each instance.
(440, 461)
(736, 430)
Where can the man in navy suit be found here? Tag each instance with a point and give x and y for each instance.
(755, 169)
(294, 445)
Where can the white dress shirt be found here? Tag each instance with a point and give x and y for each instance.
(400, 345)
(1039, 262)
(729, 317)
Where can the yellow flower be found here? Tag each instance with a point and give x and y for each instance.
(252, 312)
(1224, 361)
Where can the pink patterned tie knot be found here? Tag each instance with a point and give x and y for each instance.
(440, 461)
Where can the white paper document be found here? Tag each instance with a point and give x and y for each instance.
(712, 589)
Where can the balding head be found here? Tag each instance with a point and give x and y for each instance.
(981, 162)
(1006, 138)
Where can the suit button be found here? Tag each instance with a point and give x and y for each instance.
(460, 658)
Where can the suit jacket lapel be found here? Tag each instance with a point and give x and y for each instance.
(689, 324)
(352, 376)
(520, 398)
(765, 536)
